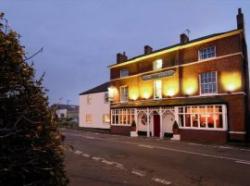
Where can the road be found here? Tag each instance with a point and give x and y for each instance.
(104, 159)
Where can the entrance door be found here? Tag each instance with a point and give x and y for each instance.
(156, 125)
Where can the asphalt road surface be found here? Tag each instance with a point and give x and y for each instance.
(96, 159)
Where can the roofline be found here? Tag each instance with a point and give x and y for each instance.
(177, 47)
(81, 94)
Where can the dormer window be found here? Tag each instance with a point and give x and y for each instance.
(208, 52)
(123, 73)
(157, 64)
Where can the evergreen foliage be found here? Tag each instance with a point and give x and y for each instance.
(30, 143)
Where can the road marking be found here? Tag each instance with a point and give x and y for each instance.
(138, 173)
(107, 162)
(245, 150)
(85, 155)
(119, 165)
(200, 154)
(146, 146)
(162, 181)
(225, 147)
(243, 162)
(96, 158)
(78, 152)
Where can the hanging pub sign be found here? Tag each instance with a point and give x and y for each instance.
(159, 75)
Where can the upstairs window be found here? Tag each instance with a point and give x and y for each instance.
(157, 65)
(124, 93)
(123, 73)
(106, 97)
(207, 53)
(157, 89)
(88, 99)
(208, 83)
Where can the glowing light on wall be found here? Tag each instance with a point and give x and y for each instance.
(190, 86)
(112, 92)
(133, 93)
(231, 81)
(146, 91)
(170, 88)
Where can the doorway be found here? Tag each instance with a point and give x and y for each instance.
(157, 126)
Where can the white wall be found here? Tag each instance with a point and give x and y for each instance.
(61, 111)
(96, 108)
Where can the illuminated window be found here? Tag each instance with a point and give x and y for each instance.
(157, 89)
(157, 65)
(207, 53)
(123, 73)
(124, 93)
(122, 116)
(208, 83)
(105, 118)
(88, 118)
(203, 117)
(88, 99)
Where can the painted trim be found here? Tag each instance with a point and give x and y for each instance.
(237, 132)
(177, 48)
(182, 65)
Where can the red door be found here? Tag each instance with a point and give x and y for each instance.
(157, 125)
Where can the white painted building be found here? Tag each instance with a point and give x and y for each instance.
(95, 108)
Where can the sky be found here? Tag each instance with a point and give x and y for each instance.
(81, 38)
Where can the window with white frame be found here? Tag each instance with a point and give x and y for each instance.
(88, 99)
(157, 89)
(208, 83)
(88, 118)
(207, 53)
(105, 118)
(123, 73)
(157, 64)
(106, 97)
(123, 93)
(122, 116)
(203, 117)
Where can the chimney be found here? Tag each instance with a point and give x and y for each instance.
(240, 19)
(148, 49)
(184, 38)
(121, 57)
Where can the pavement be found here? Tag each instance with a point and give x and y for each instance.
(99, 159)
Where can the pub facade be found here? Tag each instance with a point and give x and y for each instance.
(202, 85)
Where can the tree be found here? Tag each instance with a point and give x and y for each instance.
(30, 144)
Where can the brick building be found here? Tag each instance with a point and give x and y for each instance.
(201, 84)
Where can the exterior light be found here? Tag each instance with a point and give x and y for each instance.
(170, 88)
(190, 86)
(146, 90)
(231, 81)
(133, 93)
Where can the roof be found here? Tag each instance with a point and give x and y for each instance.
(65, 106)
(100, 88)
(177, 45)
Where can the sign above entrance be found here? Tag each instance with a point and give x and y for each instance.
(159, 75)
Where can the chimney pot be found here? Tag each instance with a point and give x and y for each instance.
(240, 19)
(121, 57)
(184, 38)
(148, 49)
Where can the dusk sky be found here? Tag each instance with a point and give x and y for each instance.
(81, 37)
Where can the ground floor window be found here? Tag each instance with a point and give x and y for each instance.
(106, 118)
(203, 116)
(122, 116)
(88, 118)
